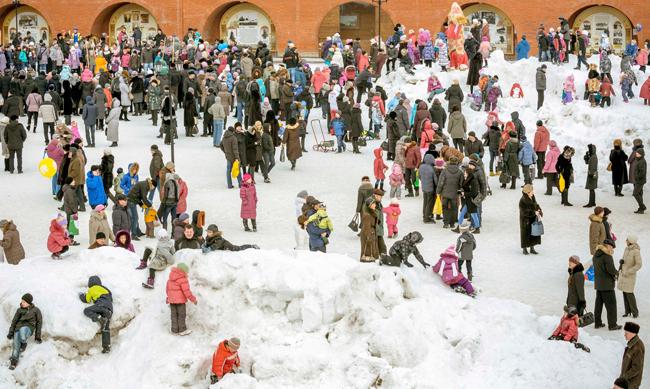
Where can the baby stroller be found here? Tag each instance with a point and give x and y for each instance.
(324, 145)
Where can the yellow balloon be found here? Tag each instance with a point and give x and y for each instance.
(47, 167)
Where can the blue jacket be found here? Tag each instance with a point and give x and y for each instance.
(127, 182)
(339, 127)
(631, 50)
(95, 188)
(299, 78)
(523, 48)
(526, 154)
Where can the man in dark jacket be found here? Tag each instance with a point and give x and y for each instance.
(101, 310)
(604, 280)
(639, 178)
(540, 85)
(13, 105)
(15, 136)
(230, 147)
(214, 241)
(188, 240)
(449, 183)
(428, 181)
(473, 145)
(27, 321)
(438, 114)
(633, 357)
(582, 49)
(138, 196)
(154, 167)
(120, 216)
(519, 126)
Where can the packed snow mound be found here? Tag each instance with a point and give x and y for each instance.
(306, 320)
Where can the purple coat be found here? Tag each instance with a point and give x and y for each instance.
(494, 94)
(248, 196)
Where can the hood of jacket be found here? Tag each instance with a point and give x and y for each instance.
(428, 159)
(97, 216)
(119, 234)
(378, 152)
(595, 218)
(94, 280)
(422, 106)
(514, 116)
(89, 100)
(176, 274)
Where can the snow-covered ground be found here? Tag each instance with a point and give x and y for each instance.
(309, 320)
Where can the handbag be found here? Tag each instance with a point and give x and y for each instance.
(437, 207)
(234, 172)
(537, 228)
(586, 319)
(282, 154)
(560, 183)
(354, 223)
(609, 167)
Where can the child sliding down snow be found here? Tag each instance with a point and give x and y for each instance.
(447, 268)
(402, 249)
(101, 310)
(567, 330)
(58, 241)
(163, 257)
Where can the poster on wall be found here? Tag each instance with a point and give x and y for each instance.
(28, 22)
(131, 16)
(601, 22)
(500, 36)
(248, 27)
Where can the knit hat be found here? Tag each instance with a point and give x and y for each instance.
(471, 133)
(100, 235)
(247, 177)
(439, 163)
(378, 192)
(302, 194)
(394, 201)
(234, 343)
(574, 259)
(464, 226)
(628, 327)
(213, 228)
(169, 165)
(453, 160)
(28, 298)
(154, 147)
(100, 208)
(632, 238)
(183, 267)
(183, 217)
(450, 251)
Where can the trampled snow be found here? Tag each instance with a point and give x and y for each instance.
(322, 321)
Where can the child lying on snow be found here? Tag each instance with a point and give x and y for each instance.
(567, 330)
(447, 268)
(214, 241)
(402, 249)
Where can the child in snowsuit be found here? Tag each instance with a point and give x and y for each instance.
(493, 97)
(225, 360)
(214, 241)
(465, 246)
(377, 119)
(248, 196)
(567, 330)
(568, 89)
(447, 268)
(392, 217)
(434, 87)
(402, 249)
(163, 257)
(626, 86)
(322, 220)
(477, 100)
(101, 310)
(338, 128)
(178, 292)
(150, 217)
(396, 180)
(27, 321)
(379, 169)
(58, 241)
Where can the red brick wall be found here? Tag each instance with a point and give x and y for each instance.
(299, 20)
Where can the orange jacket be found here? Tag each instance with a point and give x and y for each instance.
(224, 360)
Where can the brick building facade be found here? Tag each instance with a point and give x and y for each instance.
(306, 22)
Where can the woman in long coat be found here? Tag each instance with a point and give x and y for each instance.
(368, 236)
(576, 285)
(291, 140)
(474, 66)
(618, 159)
(113, 123)
(528, 212)
(100, 102)
(591, 159)
(13, 249)
(189, 112)
(125, 99)
(630, 265)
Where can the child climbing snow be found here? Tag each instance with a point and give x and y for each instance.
(396, 180)
(379, 169)
(402, 249)
(178, 292)
(101, 310)
(248, 195)
(225, 359)
(447, 268)
(567, 330)
(163, 257)
(58, 241)
(465, 246)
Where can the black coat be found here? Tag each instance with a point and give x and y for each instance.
(121, 219)
(356, 126)
(27, 317)
(576, 289)
(604, 270)
(438, 114)
(253, 148)
(564, 167)
(454, 95)
(189, 110)
(470, 191)
(474, 66)
(527, 208)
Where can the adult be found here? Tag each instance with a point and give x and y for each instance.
(49, 115)
(15, 137)
(10, 243)
(449, 183)
(633, 357)
(291, 142)
(540, 85)
(457, 127)
(170, 195)
(529, 212)
(582, 49)
(597, 234)
(604, 279)
(511, 161)
(368, 235)
(363, 193)
(230, 147)
(113, 123)
(629, 266)
(428, 180)
(540, 144)
(155, 166)
(523, 48)
(454, 95)
(393, 134)
(138, 196)
(438, 114)
(98, 222)
(564, 168)
(638, 179)
(89, 116)
(617, 160)
(576, 285)
(475, 66)
(591, 159)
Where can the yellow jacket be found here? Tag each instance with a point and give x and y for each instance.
(324, 222)
(95, 292)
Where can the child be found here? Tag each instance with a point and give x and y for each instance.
(150, 218)
(163, 257)
(117, 180)
(626, 87)
(248, 196)
(214, 241)
(447, 268)
(401, 250)
(321, 220)
(434, 87)
(178, 292)
(484, 48)
(101, 310)
(392, 217)
(377, 119)
(225, 360)
(123, 240)
(396, 180)
(338, 128)
(477, 100)
(568, 90)
(493, 97)
(443, 55)
(567, 330)
(27, 321)
(428, 53)
(465, 246)
(644, 92)
(75, 131)
(58, 241)
(379, 169)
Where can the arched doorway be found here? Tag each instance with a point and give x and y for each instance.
(355, 20)
(30, 23)
(125, 15)
(502, 32)
(602, 18)
(247, 25)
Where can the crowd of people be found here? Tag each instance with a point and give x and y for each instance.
(428, 149)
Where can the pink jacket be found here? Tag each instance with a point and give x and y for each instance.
(363, 63)
(484, 49)
(57, 239)
(644, 92)
(55, 152)
(181, 207)
(318, 79)
(433, 84)
(392, 214)
(396, 177)
(86, 75)
(34, 101)
(552, 155)
(447, 267)
(642, 57)
(178, 288)
(125, 59)
(248, 196)
(423, 37)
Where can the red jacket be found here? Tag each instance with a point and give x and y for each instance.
(224, 360)
(412, 157)
(606, 89)
(542, 137)
(644, 92)
(379, 101)
(427, 135)
(181, 207)
(380, 167)
(178, 288)
(57, 239)
(568, 328)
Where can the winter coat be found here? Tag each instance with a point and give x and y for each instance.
(392, 213)
(551, 158)
(164, 255)
(447, 267)
(523, 48)
(178, 288)
(89, 112)
(248, 196)
(33, 102)
(229, 146)
(465, 246)
(604, 270)
(121, 220)
(526, 154)
(129, 180)
(542, 137)
(139, 192)
(403, 248)
(631, 265)
(291, 139)
(99, 223)
(368, 234)
(457, 126)
(47, 112)
(253, 148)
(15, 135)
(356, 126)
(576, 288)
(454, 95)
(402, 119)
(113, 123)
(438, 114)
(632, 365)
(98, 294)
(11, 245)
(640, 170)
(592, 172)
(76, 169)
(475, 65)
(364, 192)
(644, 92)
(57, 239)
(224, 360)
(568, 328)
(95, 188)
(471, 190)
(27, 317)
(421, 115)
(596, 233)
(428, 178)
(511, 158)
(527, 208)
(70, 201)
(449, 182)
(475, 147)
(379, 167)
(412, 157)
(540, 79)
(156, 164)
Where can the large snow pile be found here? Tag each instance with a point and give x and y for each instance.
(306, 321)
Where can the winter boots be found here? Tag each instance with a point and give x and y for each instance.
(254, 223)
(13, 362)
(145, 257)
(148, 284)
(513, 182)
(245, 221)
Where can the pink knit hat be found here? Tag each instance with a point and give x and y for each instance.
(450, 251)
